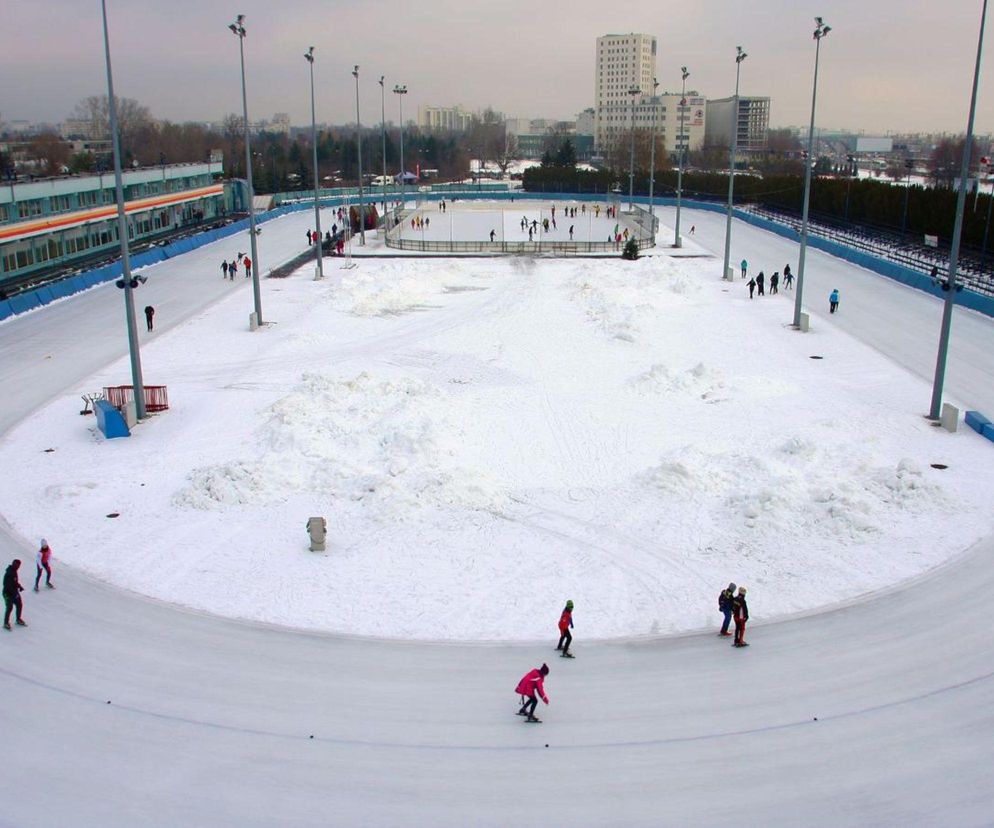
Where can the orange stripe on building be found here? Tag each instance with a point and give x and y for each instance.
(37, 227)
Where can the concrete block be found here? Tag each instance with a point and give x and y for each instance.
(317, 528)
(730, 275)
(805, 325)
(949, 419)
(253, 321)
(130, 414)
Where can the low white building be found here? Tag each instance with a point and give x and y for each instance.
(663, 113)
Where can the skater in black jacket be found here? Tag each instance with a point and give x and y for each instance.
(759, 282)
(725, 599)
(751, 284)
(741, 612)
(12, 594)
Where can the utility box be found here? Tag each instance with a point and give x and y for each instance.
(130, 413)
(730, 275)
(805, 323)
(949, 419)
(253, 321)
(317, 528)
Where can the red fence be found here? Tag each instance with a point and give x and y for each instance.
(156, 396)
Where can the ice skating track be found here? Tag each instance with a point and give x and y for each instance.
(118, 710)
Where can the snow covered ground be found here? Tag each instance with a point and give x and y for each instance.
(489, 438)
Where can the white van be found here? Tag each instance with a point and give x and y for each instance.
(380, 181)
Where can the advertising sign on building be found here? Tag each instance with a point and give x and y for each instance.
(696, 111)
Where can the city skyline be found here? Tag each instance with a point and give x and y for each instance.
(886, 67)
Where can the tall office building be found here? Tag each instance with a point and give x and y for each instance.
(624, 62)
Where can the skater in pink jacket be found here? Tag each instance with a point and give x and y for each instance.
(43, 563)
(532, 685)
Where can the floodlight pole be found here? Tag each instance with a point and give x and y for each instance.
(309, 57)
(947, 310)
(383, 136)
(677, 241)
(122, 232)
(820, 31)
(634, 91)
(358, 142)
(400, 91)
(652, 161)
(739, 57)
(238, 29)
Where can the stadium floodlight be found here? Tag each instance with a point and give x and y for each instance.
(383, 138)
(122, 231)
(682, 152)
(400, 91)
(820, 31)
(739, 57)
(947, 309)
(634, 91)
(319, 274)
(238, 29)
(652, 160)
(358, 142)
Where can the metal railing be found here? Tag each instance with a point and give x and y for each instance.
(520, 248)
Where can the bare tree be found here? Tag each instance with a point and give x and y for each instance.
(51, 153)
(132, 117)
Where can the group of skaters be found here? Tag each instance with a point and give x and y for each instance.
(420, 223)
(230, 269)
(12, 588)
(757, 284)
(731, 603)
(442, 207)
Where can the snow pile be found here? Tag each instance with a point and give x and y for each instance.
(362, 439)
(397, 291)
(621, 299)
(700, 381)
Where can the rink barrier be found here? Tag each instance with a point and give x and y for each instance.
(36, 298)
(979, 423)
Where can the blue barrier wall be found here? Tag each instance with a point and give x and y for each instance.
(66, 287)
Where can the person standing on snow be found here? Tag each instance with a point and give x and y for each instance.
(725, 599)
(751, 284)
(788, 277)
(759, 282)
(741, 611)
(531, 685)
(232, 269)
(493, 235)
(745, 267)
(833, 301)
(149, 313)
(248, 264)
(12, 595)
(565, 622)
(224, 269)
(571, 232)
(43, 562)
(774, 281)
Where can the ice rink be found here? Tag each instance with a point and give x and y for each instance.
(472, 221)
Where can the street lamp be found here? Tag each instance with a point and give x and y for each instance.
(383, 136)
(652, 160)
(739, 57)
(634, 91)
(677, 241)
(238, 29)
(820, 31)
(400, 91)
(122, 232)
(309, 57)
(358, 142)
(947, 310)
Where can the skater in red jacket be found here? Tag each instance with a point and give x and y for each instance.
(532, 685)
(565, 637)
(741, 612)
(43, 563)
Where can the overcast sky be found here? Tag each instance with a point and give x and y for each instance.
(888, 65)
